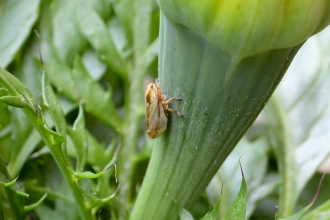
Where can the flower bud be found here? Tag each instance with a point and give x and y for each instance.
(244, 28)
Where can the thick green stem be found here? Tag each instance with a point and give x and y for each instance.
(221, 97)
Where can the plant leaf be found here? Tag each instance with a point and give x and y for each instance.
(320, 213)
(9, 184)
(89, 174)
(55, 111)
(15, 29)
(296, 216)
(214, 214)
(298, 119)
(65, 28)
(237, 209)
(99, 37)
(78, 136)
(255, 163)
(78, 85)
(35, 205)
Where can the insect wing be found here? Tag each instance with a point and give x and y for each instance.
(156, 120)
(156, 117)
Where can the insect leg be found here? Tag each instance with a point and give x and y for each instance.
(174, 111)
(171, 99)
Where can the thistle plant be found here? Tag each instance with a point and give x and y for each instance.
(73, 112)
(224, 59)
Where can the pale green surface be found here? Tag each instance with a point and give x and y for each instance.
(98, 53)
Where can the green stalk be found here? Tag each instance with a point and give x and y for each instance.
(52, 139)
(134, 109)
(221, 97)
(79, 198)
(285, 154)
(129, 139)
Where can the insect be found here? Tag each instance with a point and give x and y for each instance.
(156, 110)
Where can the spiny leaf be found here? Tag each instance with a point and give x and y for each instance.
(238, 208)
(35, 205)
(213, 215)
(9, 184)
(79, 139)
(89, 174)
(302, 212)
(14, 101)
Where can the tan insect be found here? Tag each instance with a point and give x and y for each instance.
(156, 110)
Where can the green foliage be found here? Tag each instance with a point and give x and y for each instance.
(237, 209)
(214, 214)
(72, 140)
